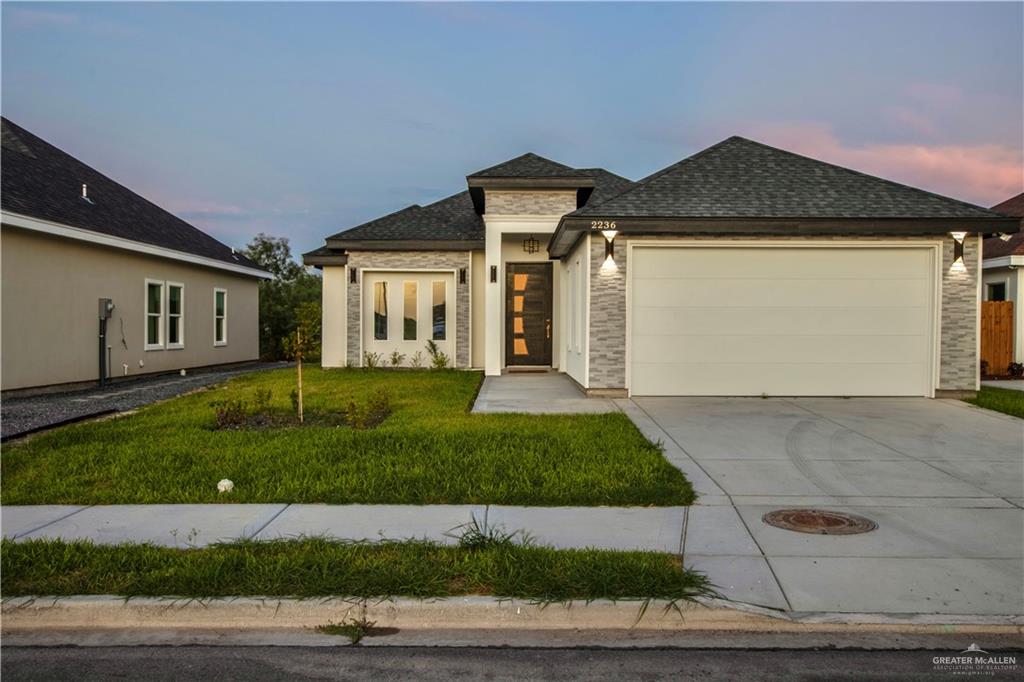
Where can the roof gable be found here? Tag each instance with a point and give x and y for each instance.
(740, 178)
(528, 165)
(43, 182)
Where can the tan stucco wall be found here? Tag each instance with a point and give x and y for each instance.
(50, 290)
(333, 332)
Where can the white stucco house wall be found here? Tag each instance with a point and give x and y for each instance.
(741, 270)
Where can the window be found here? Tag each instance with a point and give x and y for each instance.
(409, 314)
(996, 292)
(154, 315)
(175, 315)
(439, 311)
(380, 311)
(220, 317)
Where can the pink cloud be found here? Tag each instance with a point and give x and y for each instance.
(984, 174)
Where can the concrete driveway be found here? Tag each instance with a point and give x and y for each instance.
(943, 480)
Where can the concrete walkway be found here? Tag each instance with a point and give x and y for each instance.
(540, 393)
(1012, 384)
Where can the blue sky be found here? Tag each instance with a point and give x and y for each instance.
(304, 119)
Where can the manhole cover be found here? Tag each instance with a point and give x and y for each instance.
(819, 521)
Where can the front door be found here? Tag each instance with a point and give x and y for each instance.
(528, 314)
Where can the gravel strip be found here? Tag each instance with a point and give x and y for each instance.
(20, 415)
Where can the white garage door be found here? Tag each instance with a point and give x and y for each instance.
(787, 321)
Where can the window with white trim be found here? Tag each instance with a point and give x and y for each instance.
(175, 315)
(220, 317)
(154, 333)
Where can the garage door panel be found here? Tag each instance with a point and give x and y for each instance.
(778, 320)
(730, 379)
(794, 349)
(774, 263)
(781, 321)
(764, 292)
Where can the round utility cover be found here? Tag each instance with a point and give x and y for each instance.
(819, 521)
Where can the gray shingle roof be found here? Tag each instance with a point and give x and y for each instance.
(740, 178)
(450, 219)
(994, 247)
(529, 165)
(41, 181)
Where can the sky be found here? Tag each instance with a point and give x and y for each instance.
(301, 120)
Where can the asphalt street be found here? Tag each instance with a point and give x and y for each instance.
(395, 663)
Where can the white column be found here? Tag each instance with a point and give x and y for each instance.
(492, 298)
(335, 297)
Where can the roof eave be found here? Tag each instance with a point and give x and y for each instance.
(571, 182)
(571, 227)
(406, 244)
(102, 239)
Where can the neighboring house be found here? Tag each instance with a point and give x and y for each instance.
(741, 270)
(1002, 278)
(71, 236)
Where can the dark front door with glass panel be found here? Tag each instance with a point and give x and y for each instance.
(528, 314)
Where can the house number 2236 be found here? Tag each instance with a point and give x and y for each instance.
(602, 224)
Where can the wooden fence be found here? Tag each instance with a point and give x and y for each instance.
(997, 335)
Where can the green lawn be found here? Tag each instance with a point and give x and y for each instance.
(1003, 400)
(317, 568)
(429, 451)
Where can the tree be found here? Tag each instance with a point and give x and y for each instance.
(292, 286)
(303, 342)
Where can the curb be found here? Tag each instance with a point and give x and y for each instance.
(25, 614)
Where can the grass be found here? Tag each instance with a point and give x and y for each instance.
(1003, 400)
(309, 568)
(430, 450)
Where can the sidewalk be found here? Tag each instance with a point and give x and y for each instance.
(711, 538)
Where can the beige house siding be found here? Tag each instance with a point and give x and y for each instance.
(408, 260)
(958, 334)
(50, 293)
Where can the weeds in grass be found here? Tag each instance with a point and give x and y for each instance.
(479, 536)
(353, 628)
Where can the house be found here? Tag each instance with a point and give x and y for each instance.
(741, 270)
(1001, 273)
(72, 239)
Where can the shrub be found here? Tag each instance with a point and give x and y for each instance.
(416, 361)
(371, 360)
(397, 359)
(261, 401)
(984, 368)
(230, 413)
(1015, 369)
(370, 415)
(438, 360)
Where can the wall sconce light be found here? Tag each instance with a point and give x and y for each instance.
(958, 251)
(494, 274)
(462, 275)
(609, 249)
(531, 245)
(352, 275)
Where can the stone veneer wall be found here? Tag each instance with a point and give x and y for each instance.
(412, 260)
(958, 354)
(529, 202)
